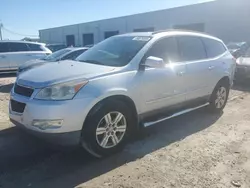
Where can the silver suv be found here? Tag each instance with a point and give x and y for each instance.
(120, 85)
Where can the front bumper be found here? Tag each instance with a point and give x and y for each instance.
(72, 112)
(69, 139)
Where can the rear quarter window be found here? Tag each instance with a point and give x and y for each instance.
(214, 48)
(35, 47)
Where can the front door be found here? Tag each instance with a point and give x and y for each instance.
(165, 87)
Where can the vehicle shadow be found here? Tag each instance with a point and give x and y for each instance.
(243, 85)
(7, 75)
(70, 168)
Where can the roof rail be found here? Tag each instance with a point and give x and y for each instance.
(183, 30)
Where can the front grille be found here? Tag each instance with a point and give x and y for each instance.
(17, 106)
(21, 90)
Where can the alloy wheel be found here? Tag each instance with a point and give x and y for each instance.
(111, 130)
(221, 97)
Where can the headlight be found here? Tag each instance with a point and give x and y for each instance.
(64, 91)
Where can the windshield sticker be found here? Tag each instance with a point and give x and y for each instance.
(141, 38)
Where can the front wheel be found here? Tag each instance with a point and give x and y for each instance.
(106, 130)
(219, 97)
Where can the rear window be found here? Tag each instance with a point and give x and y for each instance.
(35, 47)
(4, 47)
(191, 48)
(18, 47)
(214, 48)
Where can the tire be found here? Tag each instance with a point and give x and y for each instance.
(218, 99)
(101, 136)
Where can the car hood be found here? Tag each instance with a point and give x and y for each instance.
(59, 72)
(244, 61)
(32, 63)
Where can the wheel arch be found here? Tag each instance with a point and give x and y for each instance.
(224, 79)
(118, 97)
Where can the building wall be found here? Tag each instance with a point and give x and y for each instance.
(226, 19)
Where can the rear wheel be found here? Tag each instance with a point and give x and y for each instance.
(219, 97)
(107, 129)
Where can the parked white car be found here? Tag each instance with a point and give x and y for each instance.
(123, 83)
(15, 53)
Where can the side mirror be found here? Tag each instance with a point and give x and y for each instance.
(154, 62)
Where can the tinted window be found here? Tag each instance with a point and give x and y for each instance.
(166, 49)
(214, 48)
(191, 48)
(74, 54)
(35, 47)
(18, 47)
(4, 47)
(114, 51)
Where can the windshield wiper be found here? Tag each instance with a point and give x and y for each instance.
(92, 61)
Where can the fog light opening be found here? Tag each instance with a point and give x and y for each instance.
(47, 124)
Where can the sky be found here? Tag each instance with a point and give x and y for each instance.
(26, 17)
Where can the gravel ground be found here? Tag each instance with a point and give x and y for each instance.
(194, 150)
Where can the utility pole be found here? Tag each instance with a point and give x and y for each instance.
(1, 37)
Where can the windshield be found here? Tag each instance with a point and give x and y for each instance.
(115, 51)
(56, 55)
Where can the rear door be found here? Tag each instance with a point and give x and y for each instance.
(4, 56)
(193, 53)
(37, 51)
(219, 61)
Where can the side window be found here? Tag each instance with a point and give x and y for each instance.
(18, 47)
(4, 47)
(166, 49)
(35, 47)
(214, 48)
(73, 55)
(191, 48)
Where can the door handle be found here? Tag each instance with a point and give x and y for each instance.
(2, 56)
(180, 73)
(210, 67)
